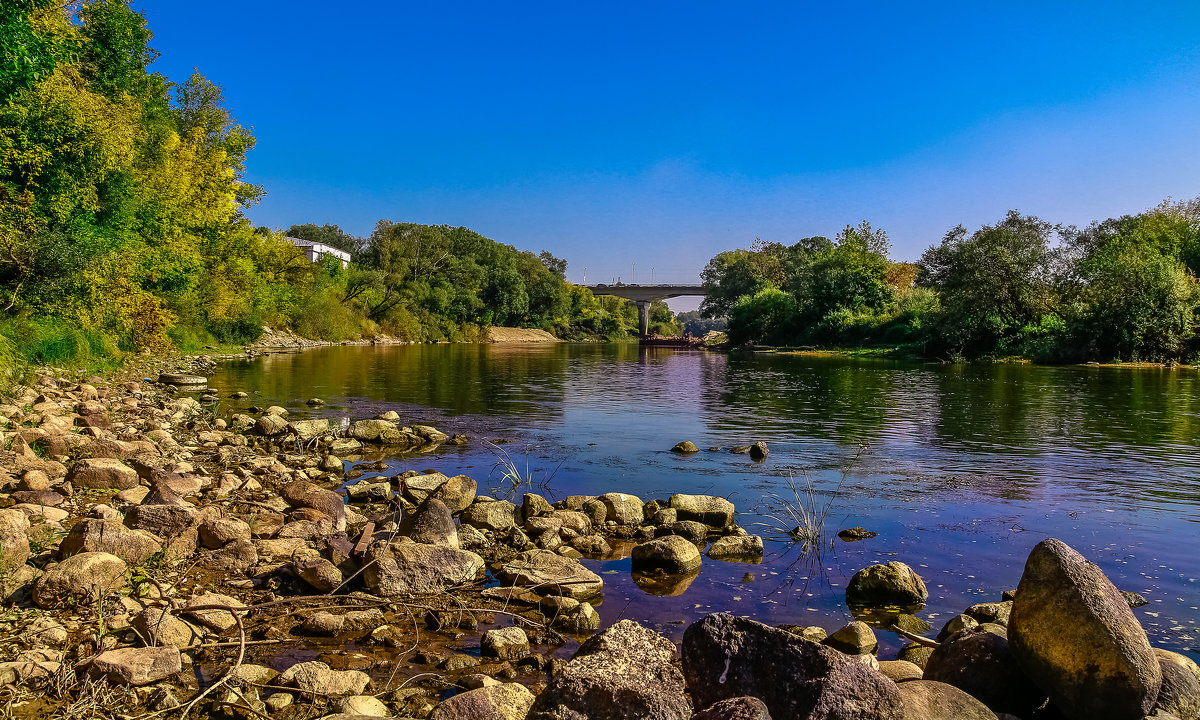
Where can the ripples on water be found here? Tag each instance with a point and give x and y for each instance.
(960, 468)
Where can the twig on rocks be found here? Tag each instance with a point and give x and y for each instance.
(914, 637)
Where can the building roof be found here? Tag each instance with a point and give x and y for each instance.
(319, 247)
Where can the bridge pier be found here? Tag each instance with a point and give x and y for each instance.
(644, 317)
(644, 295)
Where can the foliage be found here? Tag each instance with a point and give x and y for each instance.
(698, 325)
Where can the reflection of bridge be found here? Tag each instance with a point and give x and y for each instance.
(643, 295)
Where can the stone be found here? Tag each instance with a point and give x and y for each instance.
(739, 708)
(759, 451)
(431, 523)
(216, 532)
(215, 618)
(856, 638)
(165, 521)
(915, 653)
(1179, 693)
(737, 547)
(533, 505)
(725, 657)
(112, 537)
(622, 508)
(957, 624)
(549, 573)
(671, 554)
(715, 512)
(508, 643)
(14, 540)
(271, 424)
(506, 701)
(303, 494)
(136, 666)
(856, 533)
(686, 447)
(990, 612)
(900, 670)
(319, 679)
(81, 578)
(690, 530)
(457, 493)
(330, 464)
(102, 474)
(981, 664)
(363, 705)
(930, 700)
(1077, 639)
(408, 568)
(160, 627)
(321, 574)
(491, 515)
(891, 584)
(627, 671)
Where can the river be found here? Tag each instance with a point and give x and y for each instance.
(960, 469)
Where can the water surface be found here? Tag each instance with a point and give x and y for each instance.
(961, 469)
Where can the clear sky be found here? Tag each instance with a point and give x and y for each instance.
(662, 133)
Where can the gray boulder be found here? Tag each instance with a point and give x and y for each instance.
(891, 584)
(726, 657)
(548, 573)
(744, 548)
(623, 508)
(624, 672)
(490, 515)
(1076, 637)
(715, 512)
(981, 664)
(930, 700)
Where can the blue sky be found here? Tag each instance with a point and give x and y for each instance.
(662, 133)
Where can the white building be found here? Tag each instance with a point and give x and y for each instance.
(314, 251)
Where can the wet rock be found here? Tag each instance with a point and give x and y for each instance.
(715, 512)
(549, 573)
(957, 624)
(308, 430)
(591, 545)
(136, 666)
(622, 508)
(671, 554)
(370, 491)
(408, 568)
(508, 643)
(900, 670)
(14, 540)
(855, 638)
(737, 547)
(811, 633)
(991, 612)
(664, 585)
(724, 657)
(624, 672)
(219, 619)
(685, 447)
(112, 537)
(330, 464)
(929, 700)
(367, 705)
(102, 474)
(981, 664)
(507, 701)
(915, 653)
(319, 679)
(533, 505)
(891, 584)
(739, 708)
(323, 624)
(490, 515)
(1076, 637)
(218, 531)
(81, 578)
(321, 574)
(271, 424)
(856, 533)
(303, 494)
(431, 523)
(759, 451)
(1135, 600)
(689, 530)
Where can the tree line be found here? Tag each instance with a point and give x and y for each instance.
(1124, 288)
(123, 227)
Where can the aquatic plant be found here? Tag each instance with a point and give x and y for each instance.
(801, 518)
(514, 476)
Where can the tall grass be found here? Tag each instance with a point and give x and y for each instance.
(516, 475)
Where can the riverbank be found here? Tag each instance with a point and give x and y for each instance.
(165, 542)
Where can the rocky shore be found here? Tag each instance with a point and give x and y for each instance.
(160, 559)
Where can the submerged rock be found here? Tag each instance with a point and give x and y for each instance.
(1073, 633)
(685, 447)
(891, 584)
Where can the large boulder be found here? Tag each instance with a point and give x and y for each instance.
(1075, 636)
(505, 701)
(79, 579)
(1179, 693)
(739, 708)
(713, 511)
(303, 494)
(931, 700)
(102, 474)
(548, 573)
(981, 664)
(490, 514)
(432, 523)
(726, 657)
(672, 554)
(109, 535)
(623, 508)
(624, 672)
(409, 568)
(457, 492)
(891, 584)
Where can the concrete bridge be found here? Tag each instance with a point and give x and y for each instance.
(643, 295)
